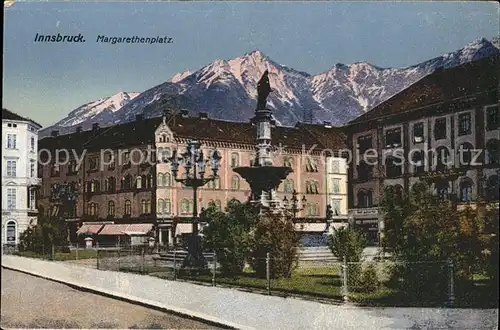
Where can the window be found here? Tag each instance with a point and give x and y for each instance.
(493, 152)
(288, 186)
(418, 162)
(335, 166)
(235, 159)
(138, 182)
(365, 198)
(466, 190)
(11, 168)
(93, 163)
(148, 206)
(312, 187)
(418, 133)
(11, 232)
(364, 143)
(440, 129)
(111, 208)
(167, 180)
(393, 167)
(11, 198)
(160, 180)
(217, 183)
(312, 209)
(311, 165)
(148, 181)
(492, 119)
(464, 124)
(218, 204)
(128, 207)
(32, 144)
(32, 201)
(287, 161)
(184, 206)
(92, 209)
(110, 184)
(54, 170)
(235, 182)
(441, 158)
(11, 141)
(336, 206)
(126, 182)
(393, 138)
(167, 209)
(365, 171)
(143, 206)
(336, 186)
(160, 206)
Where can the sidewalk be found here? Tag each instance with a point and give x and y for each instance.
(244, 310)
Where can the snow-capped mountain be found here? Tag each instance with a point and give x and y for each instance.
(227, 90)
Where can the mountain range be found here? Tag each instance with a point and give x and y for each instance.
(227, 90)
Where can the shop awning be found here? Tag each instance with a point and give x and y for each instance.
(114, 230)
(139, 229)
(89, 229)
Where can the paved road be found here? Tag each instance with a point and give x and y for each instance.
(33, 302)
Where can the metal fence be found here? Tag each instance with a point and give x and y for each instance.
(382, 282)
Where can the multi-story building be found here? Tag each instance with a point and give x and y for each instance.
(19, 175)
(125, 180)
(432, 130)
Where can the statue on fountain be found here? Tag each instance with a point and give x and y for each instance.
(263, 90)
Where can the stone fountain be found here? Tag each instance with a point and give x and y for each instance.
(262, 176)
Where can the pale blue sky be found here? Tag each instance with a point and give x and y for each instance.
(46, 81)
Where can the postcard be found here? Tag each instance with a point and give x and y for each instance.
(250, 165)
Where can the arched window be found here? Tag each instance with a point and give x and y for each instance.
(126, 182)
(11, 232)
(235, 159)
(442, 189)
(92, 209)
(167, 209)
(128, 207)
(365, 198)
(148, 207)
(161, 206)
(466, 190)
(492, 188)
(217, 183)
(287, 161)
(288, 186)
(441, 158)
(464, 154)
(138, 182)
(106, 184)
(492, 152)
(235, 182)
(159, 180)
(167, 180)
(149, 181)
(111, 184)
(143, 206)
(111, 208)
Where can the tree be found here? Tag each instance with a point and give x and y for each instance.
(347, 242)
(228, 234)
(48, 231)
(274, 234)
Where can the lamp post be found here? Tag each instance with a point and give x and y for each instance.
(194, 165)
(294, 207)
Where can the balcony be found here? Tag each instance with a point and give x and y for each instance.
(370, 212)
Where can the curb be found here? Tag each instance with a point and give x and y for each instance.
(207, 319)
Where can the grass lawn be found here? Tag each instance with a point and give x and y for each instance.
(60, 256)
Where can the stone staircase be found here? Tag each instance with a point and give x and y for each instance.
(316, 254)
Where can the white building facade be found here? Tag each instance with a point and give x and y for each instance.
(19, 175)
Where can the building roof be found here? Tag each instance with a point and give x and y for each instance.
(9, 115)
(141, 132)
(330, 137)
(440, 86)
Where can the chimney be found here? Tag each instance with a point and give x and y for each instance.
(95, 126)
(79, 129)
(139, 117)
(184, 113)
(54, 133)
(327, 124)
(204, 115)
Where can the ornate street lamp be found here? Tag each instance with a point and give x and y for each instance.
(294, 207)
(194, 165)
